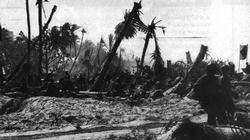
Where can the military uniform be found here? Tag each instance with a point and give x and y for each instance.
(206, 91)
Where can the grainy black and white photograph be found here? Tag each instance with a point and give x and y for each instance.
(124, 70)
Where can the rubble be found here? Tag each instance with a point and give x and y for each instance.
(52, 113)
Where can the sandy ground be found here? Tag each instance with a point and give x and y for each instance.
(50, 113)
(72, 118)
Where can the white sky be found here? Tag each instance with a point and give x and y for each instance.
(224, 24)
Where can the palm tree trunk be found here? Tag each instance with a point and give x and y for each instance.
(28, 24)
(120, 59)
(98, 83)
(156, 42)
(75, 49)
(40, 3)
(144, 52)
(46, 60)
(97, 86)
(77, 55)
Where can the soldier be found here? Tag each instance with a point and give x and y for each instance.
(247, 68)
(66, 83)
(81, 82)
(227, 108)
(52, 89)
(206, 90)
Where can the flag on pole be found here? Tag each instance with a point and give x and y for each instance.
(243, 52)
(0, 32)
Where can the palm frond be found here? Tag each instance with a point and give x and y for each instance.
(83, 30)
(135, 25)
(158, 64)
(129, 33)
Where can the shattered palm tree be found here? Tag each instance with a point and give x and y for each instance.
(158, 65)
(180, 86)
(150, 34)
(79, 51)
(188, 57)
(126, 29)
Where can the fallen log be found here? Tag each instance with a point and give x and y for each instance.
(89, 130)
(187, 130)
(173, 89)
(240, 83)
(180, 86)
(93, 93)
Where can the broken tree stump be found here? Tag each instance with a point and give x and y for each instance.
(180, 86)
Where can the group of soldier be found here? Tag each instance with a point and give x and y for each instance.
(215, 94)
(65, 85)
(213, 90)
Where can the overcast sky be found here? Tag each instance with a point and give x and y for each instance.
(222, 24)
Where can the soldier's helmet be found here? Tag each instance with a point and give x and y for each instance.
(212, 69)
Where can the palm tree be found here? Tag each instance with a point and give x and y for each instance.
(126, 29)
(150, 34)
(87, 62)
(77, 55)
(69, 38)
(158, 64)
(65, 33)
(74, 37)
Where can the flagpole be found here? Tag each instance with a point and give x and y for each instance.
(239, 64)
(239, 60)
(247, 53)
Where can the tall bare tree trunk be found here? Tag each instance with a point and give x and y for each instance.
(97, 86)
(46, 59)
(28, 24)
(180, 86)
(40, 4)
(188, 57)
(144, 52)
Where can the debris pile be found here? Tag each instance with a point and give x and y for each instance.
(53, 113)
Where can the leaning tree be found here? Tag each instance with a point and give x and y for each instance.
(150, 34)
(79, 51)
(158, 64)
(126, 29)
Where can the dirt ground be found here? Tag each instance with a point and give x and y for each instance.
(51, 113)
